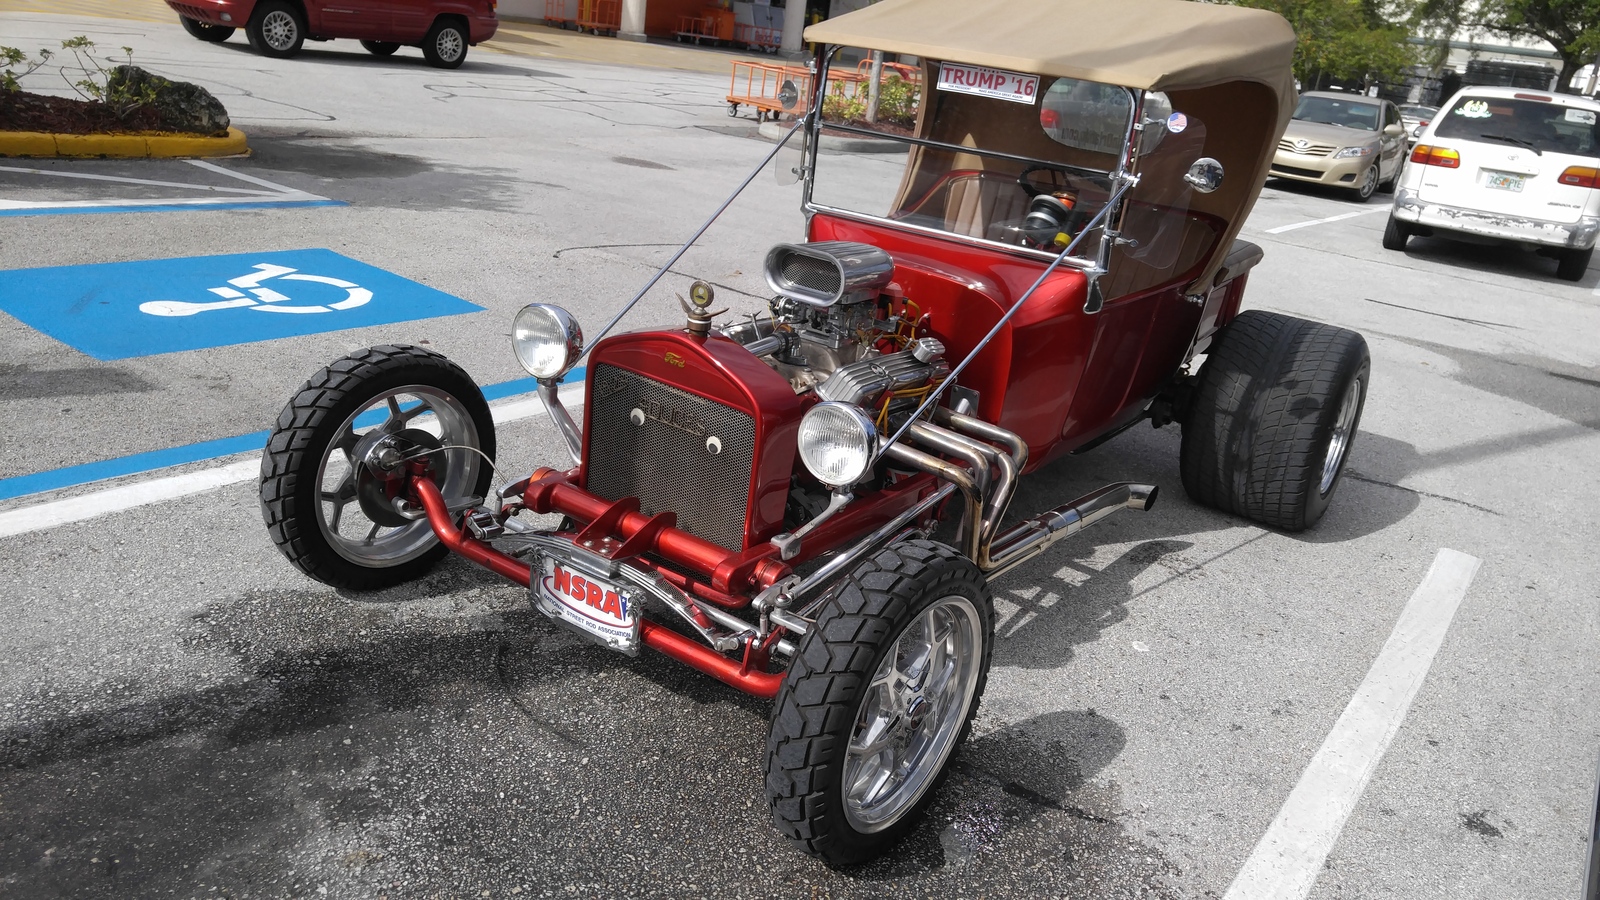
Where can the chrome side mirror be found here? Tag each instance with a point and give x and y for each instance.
(1205, 174)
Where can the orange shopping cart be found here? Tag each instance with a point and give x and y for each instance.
(757, 84)
(600, 16)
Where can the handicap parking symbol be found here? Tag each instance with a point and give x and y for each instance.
(122, 310)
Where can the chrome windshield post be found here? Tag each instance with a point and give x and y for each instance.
(1124, 178)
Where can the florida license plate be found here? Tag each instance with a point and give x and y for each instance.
(1503, 181)
(595, 606)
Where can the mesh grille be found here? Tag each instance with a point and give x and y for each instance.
(665, 461)
(810, 273)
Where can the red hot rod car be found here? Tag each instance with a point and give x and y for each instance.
(810, 504)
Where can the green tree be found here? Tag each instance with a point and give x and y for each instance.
(1353, 40)
(1571, 26)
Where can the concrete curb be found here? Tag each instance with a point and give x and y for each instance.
(121, 146)
(774, 131)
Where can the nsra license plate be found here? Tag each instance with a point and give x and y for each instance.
(594, 606)
(1503, 181)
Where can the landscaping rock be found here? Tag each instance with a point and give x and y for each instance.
(182, 106)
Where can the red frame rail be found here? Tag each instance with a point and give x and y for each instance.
(657, 637)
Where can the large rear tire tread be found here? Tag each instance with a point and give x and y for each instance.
(1264, 415)
(303, 432)
(814, 712)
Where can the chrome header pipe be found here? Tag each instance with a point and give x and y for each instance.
(1033, 536)
(972, 518)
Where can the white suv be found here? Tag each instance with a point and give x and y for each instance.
(1508, 164)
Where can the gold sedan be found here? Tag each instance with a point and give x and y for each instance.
(1345, 140)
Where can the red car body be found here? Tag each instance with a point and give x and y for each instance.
(396, 21)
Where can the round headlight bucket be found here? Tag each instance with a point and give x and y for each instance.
(837, 443)
(547, 340)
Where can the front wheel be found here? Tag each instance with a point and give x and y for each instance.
(328, 511)
(380, 48)
(276, 29)
(445, 47)
(880, 694)
(211, 34)
(1273, 418)
(1368, 184)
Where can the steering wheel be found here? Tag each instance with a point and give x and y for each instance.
(1028, 187)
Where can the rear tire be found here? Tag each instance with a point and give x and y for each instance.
(1573, 264)
(381, 48)
(1395, 234)
(276, 29)
(211, 34)
(1272, 420)
(877, 700)
(310, 495)
(445, 47)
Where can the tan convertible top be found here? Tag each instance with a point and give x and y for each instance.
(1153, 45)
(1226, 66)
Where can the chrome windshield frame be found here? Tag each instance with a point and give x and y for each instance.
(1095, 265)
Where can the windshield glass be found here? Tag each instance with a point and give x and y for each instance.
(995, 141)
(1020, 161)
(1546, 127)
(1360, 115)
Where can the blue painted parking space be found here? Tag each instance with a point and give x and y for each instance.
(121, 310)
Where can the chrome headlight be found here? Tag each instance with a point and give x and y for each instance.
(837, 443)
(547, 339)
(1351, 152)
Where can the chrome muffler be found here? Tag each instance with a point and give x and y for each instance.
(1033, 536)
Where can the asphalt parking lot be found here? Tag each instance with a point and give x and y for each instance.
(182, 713)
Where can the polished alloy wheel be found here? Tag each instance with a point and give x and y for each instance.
(449, 45)
(912, 713)
(280, 30)
(347, 529)
(1340, 440)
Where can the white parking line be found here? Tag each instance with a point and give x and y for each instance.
(273, 194)
(1342, 216)
(145, 181)
(42, 516)
(1286, 862)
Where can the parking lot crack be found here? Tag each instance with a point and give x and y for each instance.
(1428, 312)
(1356, 476)
(504, 677)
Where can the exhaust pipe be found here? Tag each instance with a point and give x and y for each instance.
(1033, 536)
